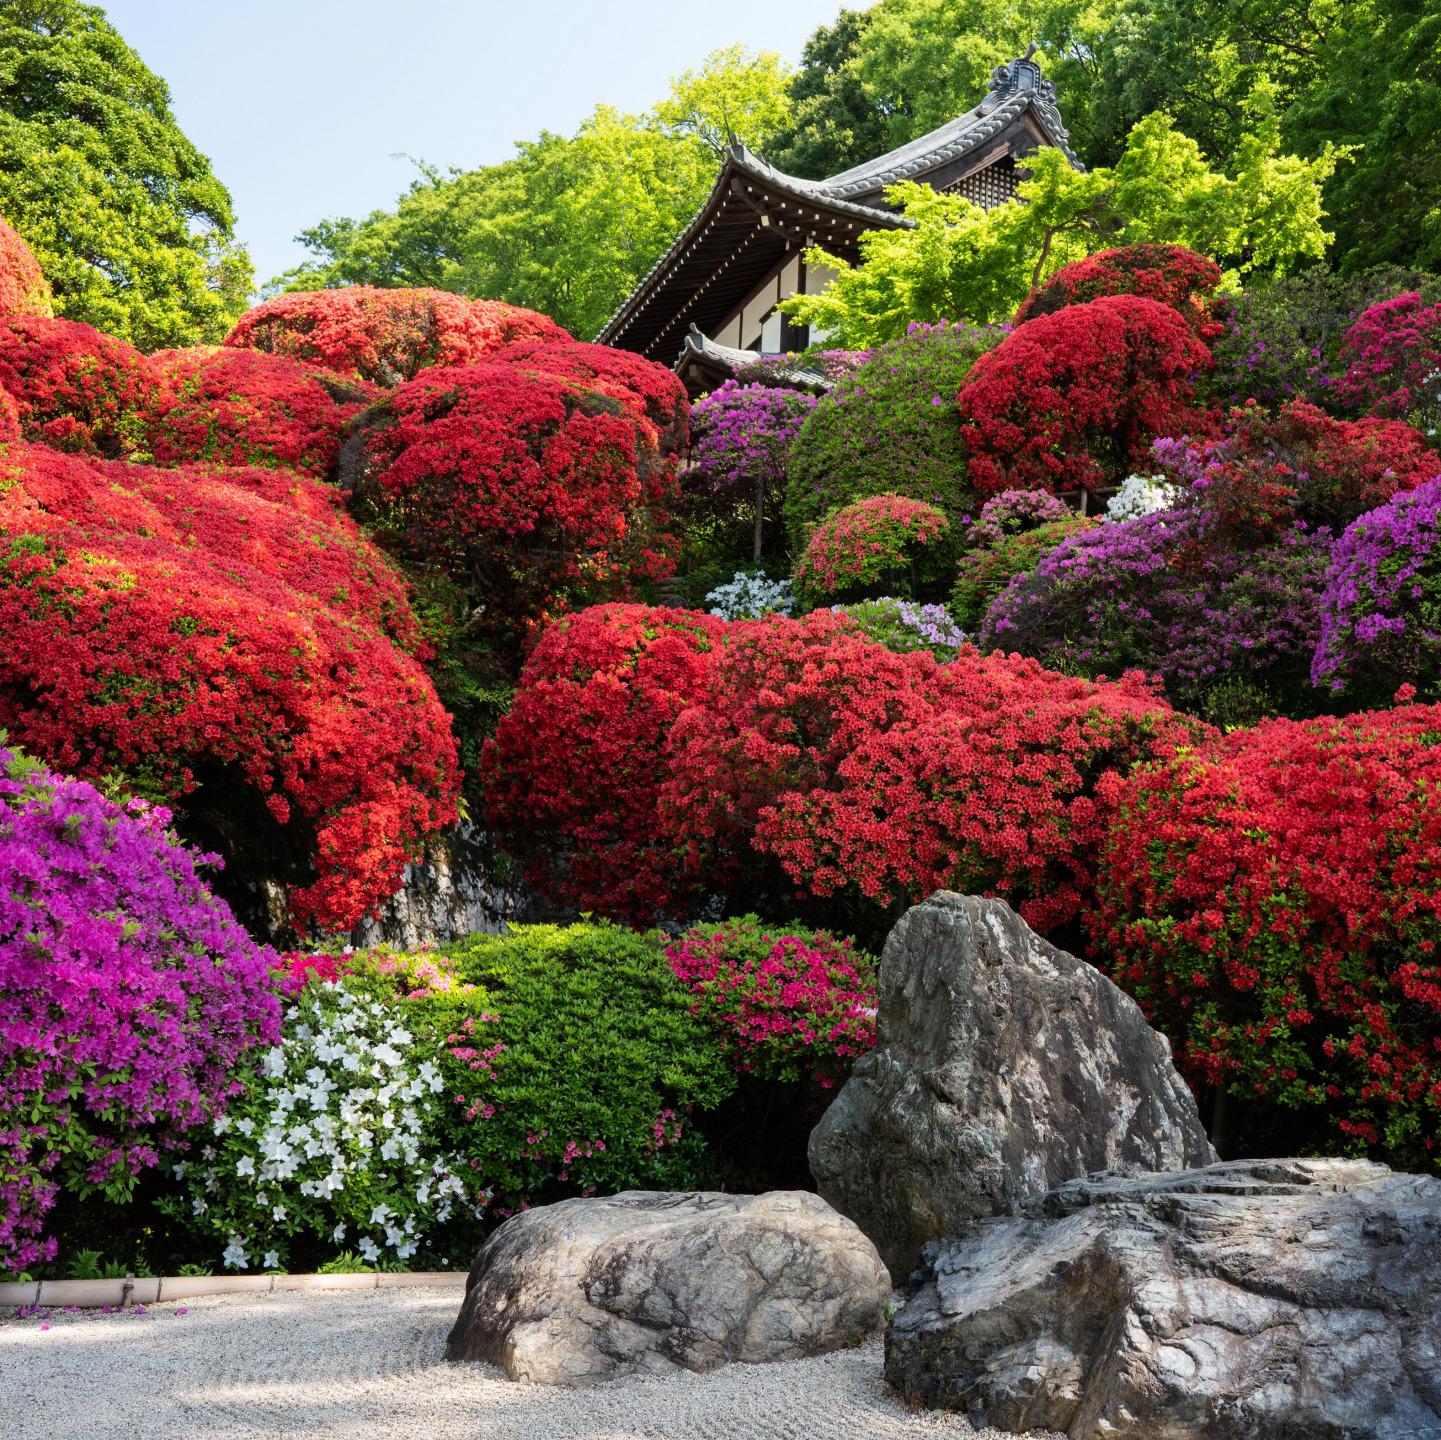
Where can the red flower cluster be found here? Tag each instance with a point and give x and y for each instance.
(856, 768)
(861, 546)
(24, 289)
(242, 407)
(76, 389)
(1074, 399)
(533, 494)
(1171, 274)
(575, 770)
(647, 390)
(386, 336)
(1273, 898)
(217, 636)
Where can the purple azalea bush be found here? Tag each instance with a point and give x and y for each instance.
(741, 435)
(1173, 595)
(1381, 610)
(1014, 511)
(906, 625)
(131, 997)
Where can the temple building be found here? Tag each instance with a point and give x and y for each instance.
(714, 292)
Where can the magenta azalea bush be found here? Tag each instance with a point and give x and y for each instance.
(1392, 356)
(132, 997)
(1381, 610)
(790, 1004)
(740, 437)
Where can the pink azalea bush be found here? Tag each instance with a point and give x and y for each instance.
(132, 998)
(1392, 355)
(872, 547)
(788, 1003)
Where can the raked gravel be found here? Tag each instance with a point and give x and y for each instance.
(372, 1364)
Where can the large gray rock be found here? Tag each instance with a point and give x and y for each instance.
(1256, 1300)
(643, 1282)
(1004, 1066)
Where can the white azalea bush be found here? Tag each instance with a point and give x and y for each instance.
(1142, 495)
(748, 597)
(331, 1144)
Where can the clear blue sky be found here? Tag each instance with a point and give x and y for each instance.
(302, 104)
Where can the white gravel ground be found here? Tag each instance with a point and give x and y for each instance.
(372, 1364)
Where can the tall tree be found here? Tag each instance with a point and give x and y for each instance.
(134, 231)
(834, 121)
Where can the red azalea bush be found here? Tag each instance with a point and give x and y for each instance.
(232, 641)
(535, 496)
(1171, 274)
(386, 336)
(132, 997)
(1272, 900)
(872, 546)
(1392, 355)
(789, 1004)
(1074, 399)
(24, 290)
(242, 407)
(76, 389)
(647, 390)
(574, 772)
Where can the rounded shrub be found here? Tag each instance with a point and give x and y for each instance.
(1381, 609)
(874, 546)
(1270, 899)
(75, 388)
(231, 641)
(133, 999)
(1073, 400)
(386, 336)
(573, 775)
(888, 428)
(242, 407)
(1175, 276)
(905, 625)
(533, 495)
(788, 1004)
(1392, 359)
(24, 290)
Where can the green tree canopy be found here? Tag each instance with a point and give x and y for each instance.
(961, 262)
(569, 224)
(133, 230)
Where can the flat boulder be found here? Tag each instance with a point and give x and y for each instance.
(1255, 1300)
(1004, 1066)
(649, 1283)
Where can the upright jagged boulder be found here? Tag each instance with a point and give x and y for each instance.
(1004, 1067)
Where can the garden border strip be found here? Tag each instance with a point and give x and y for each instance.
(152, 1290)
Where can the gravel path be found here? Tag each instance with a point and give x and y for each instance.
(371, 1364)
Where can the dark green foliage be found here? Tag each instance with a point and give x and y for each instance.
(835, 123)
(133, 230)
(600, 1046)
(889, 428)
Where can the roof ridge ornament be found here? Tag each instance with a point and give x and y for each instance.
(1023, 76)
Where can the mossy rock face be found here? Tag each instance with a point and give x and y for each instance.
(889, 428)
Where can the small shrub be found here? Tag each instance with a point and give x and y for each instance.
(1175, 276)
(75, 388)
(882, 543)
(906, 625)
(386, 336)
(1270, 899)
(1381, 610)
(1072, 400)
(132, 998)
(983, 574)
(788, 1004)
(888, 428)
(1392, 355)
(748, 597)
(1143, 495)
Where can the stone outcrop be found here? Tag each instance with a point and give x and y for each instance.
(1004, 1067)
(648, 1283)
(1255, 1300)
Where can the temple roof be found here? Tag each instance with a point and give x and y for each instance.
(708, 363)
(756, 215)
